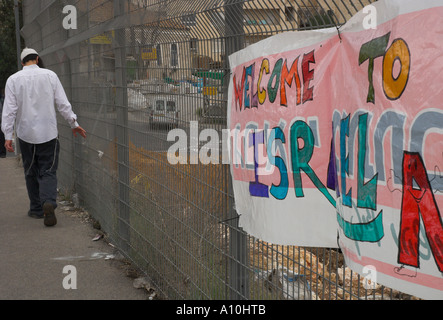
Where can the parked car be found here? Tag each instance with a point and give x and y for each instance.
(163, 110)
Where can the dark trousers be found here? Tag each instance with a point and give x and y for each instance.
(40, 162)
(2, 143)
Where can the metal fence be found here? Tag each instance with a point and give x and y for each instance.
(135, 69)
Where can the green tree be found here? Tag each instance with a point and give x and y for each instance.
(8, 47)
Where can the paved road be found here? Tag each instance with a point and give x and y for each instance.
(33, 257)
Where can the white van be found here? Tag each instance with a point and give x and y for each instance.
(163, 110)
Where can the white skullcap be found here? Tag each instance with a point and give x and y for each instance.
(26, 52)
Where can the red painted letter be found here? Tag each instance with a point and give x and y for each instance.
(238, 91)
(287, 77)
(308, 75)
(418, 201)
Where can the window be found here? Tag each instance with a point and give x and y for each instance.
(170, 106)
(290, 14)
(159, 55)
(315, 18)
(193, 45)
(189, 19)
(174, 55)
(160, 105)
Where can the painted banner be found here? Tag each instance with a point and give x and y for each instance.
(336, 140)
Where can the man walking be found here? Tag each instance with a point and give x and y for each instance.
(30, 99)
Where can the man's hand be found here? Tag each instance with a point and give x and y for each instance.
(8, 146)
(80, 131)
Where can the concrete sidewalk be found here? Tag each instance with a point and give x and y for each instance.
(33, 257)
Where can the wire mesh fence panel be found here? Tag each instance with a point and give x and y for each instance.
(136, 70)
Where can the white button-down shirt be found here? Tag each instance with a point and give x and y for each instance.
(30, 98)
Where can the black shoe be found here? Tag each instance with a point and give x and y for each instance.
(35, 215)
(48, 211)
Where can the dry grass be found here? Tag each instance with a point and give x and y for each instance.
(196, 196)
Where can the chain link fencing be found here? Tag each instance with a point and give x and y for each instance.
(134, 70)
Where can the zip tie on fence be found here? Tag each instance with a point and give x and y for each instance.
(337, 27)
(338, 31)
(229, 219)
(338, 241)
